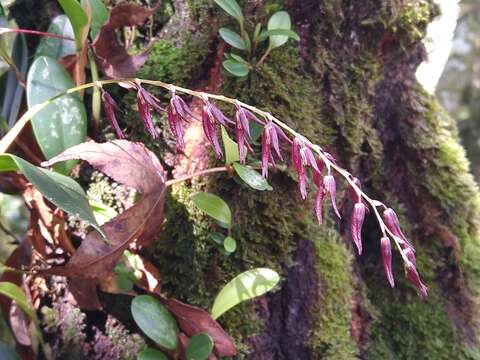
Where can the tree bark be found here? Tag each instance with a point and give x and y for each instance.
(349, 86)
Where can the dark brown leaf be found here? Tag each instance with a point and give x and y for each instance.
(111, 54)
(85, 293)
(193, 320)
(130, 164)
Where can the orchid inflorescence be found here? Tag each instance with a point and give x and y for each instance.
(305, 156)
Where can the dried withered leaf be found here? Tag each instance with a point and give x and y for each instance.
(111, 54)
(84, 292)
(193, 320)
(133, 165)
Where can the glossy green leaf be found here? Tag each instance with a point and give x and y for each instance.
(102, 212)
(229, 244)
(199, 347)
(151, 354)
(213, 206)
(15, 293)
(279, 20)
(57, 48)
(246, 286)
(232, 38)
(62, 191)
(235, 68)
(63, 123)
(232, 8)
(231, 148)
(78, 18)
(99, 15)
(12, 94)
(155, 321)
(7, 353)
(256, 32)
(283, 32)
(252, 177)
(217, 238)
(238, 58)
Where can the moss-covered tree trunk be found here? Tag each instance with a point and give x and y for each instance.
(348, 85)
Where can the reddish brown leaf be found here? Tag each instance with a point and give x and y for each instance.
(111, 54)
(130, 164)
(193, 320)
(85, 293)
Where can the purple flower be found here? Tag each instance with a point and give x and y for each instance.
(177, 113)
(410, 254)
(302, 156)
(146, 102)
(391, 220)
(319, 203)
(358, 215)
(210, 116)
(242, 127)
(386, 250)
(110, 106)
(331, 188)
(414, 278)
(269, 139)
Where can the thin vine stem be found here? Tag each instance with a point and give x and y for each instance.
(196, 174)
(8, 139)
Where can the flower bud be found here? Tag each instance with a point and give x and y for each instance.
(353, 193)
(392, 223)
(386, 250)
(414, 278)
(319, 204)
(110, 105)
(358, 215)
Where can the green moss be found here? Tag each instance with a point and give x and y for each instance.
(331, 337)
(411, 23)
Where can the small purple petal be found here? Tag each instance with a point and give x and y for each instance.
(210, 129)
(353, 193)
(145, 112)
(358, 215)
(110, 106)
(414, 278)
(331, 188)
(319, 204)
(386, 250)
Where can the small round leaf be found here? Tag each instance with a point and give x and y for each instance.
(199, 347)
(155, 321)
(151, 354)
(279, 20)
(232, 38)
(238, 69)
(229, 244)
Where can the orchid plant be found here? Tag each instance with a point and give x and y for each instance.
(306, 157)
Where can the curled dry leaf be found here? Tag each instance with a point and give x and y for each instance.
(84, 292)
(193, 320)
(130, 164)
(111, 54)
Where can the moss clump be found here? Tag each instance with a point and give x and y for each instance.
(413, 18)
(331, 337)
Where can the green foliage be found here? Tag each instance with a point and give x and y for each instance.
(63, 123)
(252, 177)
(215, 207)
(155, 321)
(151, 354)
(245, 286)
(278, 32)
(199, 347)
(78, 18)
(7, 353)
(57, 48)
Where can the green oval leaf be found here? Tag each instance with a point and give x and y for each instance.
(214, 206)
(57, 48)
(99, 15)
(229, 244)
(238, 69)
(252, 177)
(279, 20)
(7, 353)
(151, 354)
(284, 32)
(199, 347)
(231, 148)
(155, 321)
(63, 123)
(62, 191)
(232, 8)
(232, 38)
(246, 286)
(77, 17)
(15, 293)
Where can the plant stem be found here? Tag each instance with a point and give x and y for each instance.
(4, 30)
(196, 174)
(264, 56)
(11, 135)
(96, 97)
